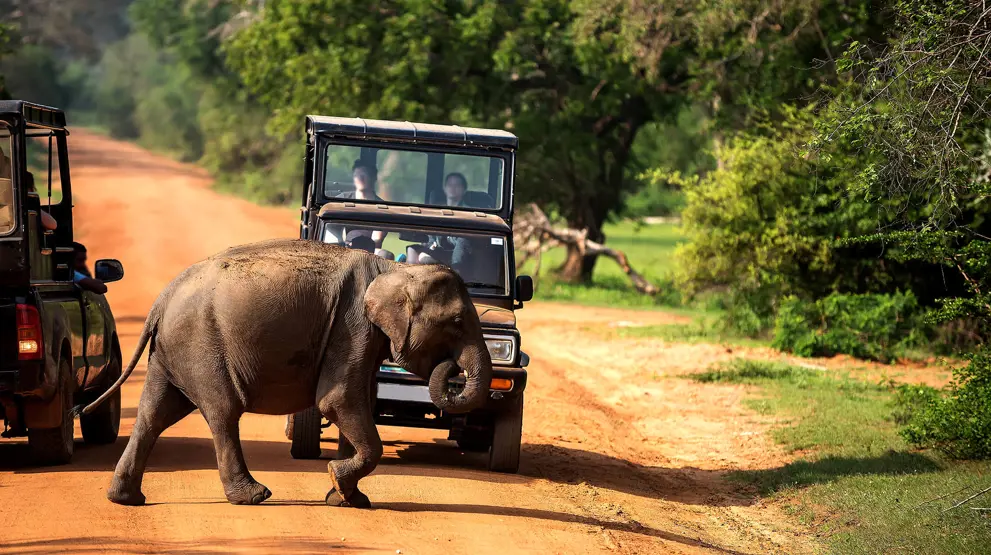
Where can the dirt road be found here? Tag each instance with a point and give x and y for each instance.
(618, 456)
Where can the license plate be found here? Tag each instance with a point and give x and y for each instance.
(400, 392)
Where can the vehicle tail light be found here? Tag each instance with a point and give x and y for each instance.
(501, 384)
(28, 333)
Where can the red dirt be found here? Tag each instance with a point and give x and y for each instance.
(615, 457)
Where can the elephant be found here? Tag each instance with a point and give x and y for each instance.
(278, 326)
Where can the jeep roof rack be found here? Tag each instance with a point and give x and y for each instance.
(34, 114)
(425, 133)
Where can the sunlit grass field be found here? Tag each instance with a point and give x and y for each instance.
(650, 249)
(854, 479)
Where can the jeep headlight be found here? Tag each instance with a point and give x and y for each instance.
(502, 350)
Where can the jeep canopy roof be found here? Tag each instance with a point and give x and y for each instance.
(375, 162)
(422, 133)
(34, 114)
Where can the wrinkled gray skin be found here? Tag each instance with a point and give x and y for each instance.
(274, 327)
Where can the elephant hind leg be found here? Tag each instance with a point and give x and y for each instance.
(162, 405)
(239, 486)
(357, 425)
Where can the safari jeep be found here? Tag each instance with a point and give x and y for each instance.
(58, 343)
(424, 194)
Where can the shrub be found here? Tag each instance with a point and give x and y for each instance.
(956, 421)
(867, 326)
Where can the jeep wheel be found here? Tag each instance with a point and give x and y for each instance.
(304, 431)
(504, 455)
(102, 426)
(53, 446)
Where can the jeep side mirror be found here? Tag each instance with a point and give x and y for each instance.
(524, 288)
(108, 270)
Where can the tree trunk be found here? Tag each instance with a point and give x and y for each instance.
(576, 267)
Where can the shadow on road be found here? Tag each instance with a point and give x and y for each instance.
(206, 546)
(806, 473)
(633, 527)
(554, 463)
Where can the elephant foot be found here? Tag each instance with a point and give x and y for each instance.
(335, 498)
(357, 499)
(253, 494)
(123, 496)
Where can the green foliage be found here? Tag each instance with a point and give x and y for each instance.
(518, 65)
(763, 226)
(7, 40)
(916, 106)
(874, 327)
(956, 421)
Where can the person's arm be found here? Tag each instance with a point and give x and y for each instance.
(47, 221)
(89, 284)
(378, 237)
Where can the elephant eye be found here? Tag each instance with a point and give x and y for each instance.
(458, 320)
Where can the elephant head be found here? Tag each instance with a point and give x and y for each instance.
(433, 330)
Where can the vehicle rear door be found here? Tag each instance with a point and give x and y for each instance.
(14, 267)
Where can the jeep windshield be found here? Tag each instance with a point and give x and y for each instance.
(415, 176)
(480, 259)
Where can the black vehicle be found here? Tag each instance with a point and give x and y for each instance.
(438, 194)
(58, 343)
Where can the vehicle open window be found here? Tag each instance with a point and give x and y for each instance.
(43, 163)
(480, 259)
(8, 211)
(416, 177)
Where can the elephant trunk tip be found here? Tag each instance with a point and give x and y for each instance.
(441, 393)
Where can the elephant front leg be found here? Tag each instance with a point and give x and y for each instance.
(239, 487)
(357, 425)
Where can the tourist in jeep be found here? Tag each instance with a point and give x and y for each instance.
(442, 249)
(81, 275)
(365, 180)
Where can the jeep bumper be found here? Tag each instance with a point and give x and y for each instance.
(26, 378)
(403, 399)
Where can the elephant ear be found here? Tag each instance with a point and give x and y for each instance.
(388, 305)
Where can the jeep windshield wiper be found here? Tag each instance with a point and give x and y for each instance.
(482, 285)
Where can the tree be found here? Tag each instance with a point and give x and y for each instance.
(576, 104)
(77, 29)
(917, 108)
(7, 46)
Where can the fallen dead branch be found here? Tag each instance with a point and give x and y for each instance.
(978, 494)
(534, 234)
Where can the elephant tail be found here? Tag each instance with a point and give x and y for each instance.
(146, 334)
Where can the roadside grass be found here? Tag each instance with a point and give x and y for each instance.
(856, 481)
(650, 249)
(705, 327)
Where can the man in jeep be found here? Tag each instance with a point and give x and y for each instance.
(81, 275)
(365, 178)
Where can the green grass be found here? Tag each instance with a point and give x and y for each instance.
(650, 249)
(856, 480)
(705, 328)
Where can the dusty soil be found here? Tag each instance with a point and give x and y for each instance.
(617, 457)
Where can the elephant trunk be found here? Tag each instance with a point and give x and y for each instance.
(477, 366)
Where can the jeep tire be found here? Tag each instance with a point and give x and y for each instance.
(303, 429)
(54, 446)
(507, 433)
(102, 426)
